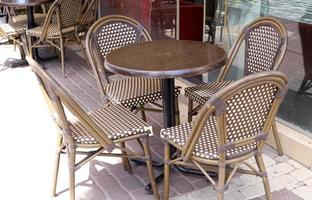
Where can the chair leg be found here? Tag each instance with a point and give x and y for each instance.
(143, 114)
(221, 181)
(265, 179)
(149, 165)
(177, 114)
(166, 171)
(125, 161)
(62, 56)
(56, 164)
(277, 139)
(71, 166)
(29, 46)
(190, 109)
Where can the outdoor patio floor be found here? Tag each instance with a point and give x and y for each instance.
(28, 148)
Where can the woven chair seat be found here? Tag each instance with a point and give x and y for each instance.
(201, 93)
(18, 27)
(116, 121)
(39, 18)
(53, 31)
(12, 29)
(207, 145)
(135, 91)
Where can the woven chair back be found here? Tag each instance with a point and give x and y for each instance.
(69, 12)
(107, 34)
(89, 11)
(265, 42)
(57, 98)
(244, 112)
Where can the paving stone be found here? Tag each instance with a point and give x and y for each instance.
(268, 161)
(280, 182)
(280, 169)
(301, 174)
(250, 179)
(295, 185)
(181, 185)
(140, 194)
(118, 193)
(304, 192)
(281, 195)
(202, 194)
(131, 183)
(294, 164)
(106, 182)
(308, 182)
(253, 191)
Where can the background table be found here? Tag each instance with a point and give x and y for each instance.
(166, 59)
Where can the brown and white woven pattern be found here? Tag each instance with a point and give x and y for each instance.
(116, 121)
(207, 144)
(39, 18)
(53, 30)
(262, 46)
(115, 34)
(247, 111)
(201, 93)
(70, 12)
(135, 91)
(19, 27)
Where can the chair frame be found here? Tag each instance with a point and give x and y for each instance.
(56, 99)
(226, 168)
(96, 61)
(233, 52)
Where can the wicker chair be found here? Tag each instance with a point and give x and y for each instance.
(57, 32)
(17, 25)
(97, 133)
(265, 47)
(112, 32)
(230, 128)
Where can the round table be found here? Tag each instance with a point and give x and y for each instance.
(166, 59)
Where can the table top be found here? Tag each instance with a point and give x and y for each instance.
(23, 2)
(166, 59)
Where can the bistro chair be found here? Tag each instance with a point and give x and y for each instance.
(17, 25)
(265, 42)
(112, 32)
(92, 134)
(61, 24)
(230, 128)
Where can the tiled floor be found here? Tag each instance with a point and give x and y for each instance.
(28, 145)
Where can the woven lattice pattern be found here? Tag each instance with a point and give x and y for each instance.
(207, 145)
(115, 121)
(53, 30)
(39, 18)
(201, 93)
(70, 12)
(17, 28)
(248, 110)
(135, 91)
(262, 45)
(115, 34)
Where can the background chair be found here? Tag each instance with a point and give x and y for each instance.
(265, 46)
(97, 133)
(57, 32)
(112, 32)
(230, 128)
(17, 25)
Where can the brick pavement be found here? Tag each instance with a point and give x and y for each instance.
(104, 178)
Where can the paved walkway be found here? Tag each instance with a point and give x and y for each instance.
(28, 144)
